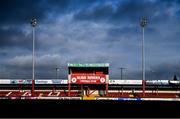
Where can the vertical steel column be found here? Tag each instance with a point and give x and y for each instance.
(143, 64)
(69, 89)
(106, 89)
(32, 91)
(143, 23)
(143, 88)
(33, 63)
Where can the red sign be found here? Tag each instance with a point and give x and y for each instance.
(88, 79)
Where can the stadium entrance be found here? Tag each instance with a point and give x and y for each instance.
(92, 78)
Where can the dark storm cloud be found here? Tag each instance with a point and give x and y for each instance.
(14, 37)
(14, 14)
(124, 31)
(133, 10)
(124, 11)
(170, 2)
(88, 31)
(127, 12)
(98, 13)
(164, 71)
(45, 65)
(20, 11)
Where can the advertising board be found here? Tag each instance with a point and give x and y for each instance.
(126, 82)
(15, 81)
(106, 98)
(174, 82)
(21, 81)
(61, 81)
(138, 99)
(37, 81)
(28, 81)
(157, 82)
(60, 98)
(43, 82)
(56, 81)
(5, 81)
(88, 79)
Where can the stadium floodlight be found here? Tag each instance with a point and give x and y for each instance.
(57, 70)
(143, 23)
(33, 24)
(121, 68)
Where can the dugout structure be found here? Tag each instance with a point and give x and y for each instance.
(89, 77)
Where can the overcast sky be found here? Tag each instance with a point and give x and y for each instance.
(90, 31)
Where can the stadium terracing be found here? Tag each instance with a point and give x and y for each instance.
(90, 82)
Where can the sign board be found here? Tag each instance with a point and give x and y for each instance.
(174, 82)
(5, 81)
(37, 81)
(63, 81)
(19, 81)
(57, 81)
(157, 82)
(88, 79)
(104, 98)
(126, 82)
(28, 81)
(138, 99)
(13, 82)
(89, 65)
(43, 82)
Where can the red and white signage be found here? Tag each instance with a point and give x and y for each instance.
(125, 82)
(88, 79)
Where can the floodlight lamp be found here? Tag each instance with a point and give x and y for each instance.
(33, 22)
(143, 22)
